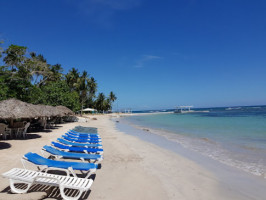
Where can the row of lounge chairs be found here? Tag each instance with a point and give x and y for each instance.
(84, 147)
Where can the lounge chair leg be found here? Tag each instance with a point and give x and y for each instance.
(91, 171)
(16, 190)
(68, 197)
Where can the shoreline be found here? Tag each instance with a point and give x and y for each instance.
(251, 186)
(204, 144)
(132, 169)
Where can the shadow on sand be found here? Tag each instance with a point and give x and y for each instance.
(31, 136)
(41, 131)
(4, 145)
(51, 191)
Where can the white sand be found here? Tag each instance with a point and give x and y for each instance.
(131, 169)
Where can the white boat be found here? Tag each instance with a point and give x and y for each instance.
(187, 109)
(183, 109)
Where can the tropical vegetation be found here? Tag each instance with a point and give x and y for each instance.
(28, 76)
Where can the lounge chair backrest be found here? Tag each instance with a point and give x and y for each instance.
(51, 150)
(61, 146)
(2, 128)
(26, 127)
(76, 149)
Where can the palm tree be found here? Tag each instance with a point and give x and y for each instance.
(100, 102)
(83, 87)
(112, 96)
(92, 88)
(56, 73)
(72, 78)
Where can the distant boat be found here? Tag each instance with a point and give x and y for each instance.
(187, 109)
(183, 109)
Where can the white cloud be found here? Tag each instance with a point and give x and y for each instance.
(144, 59)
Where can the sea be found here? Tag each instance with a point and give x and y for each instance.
(234, 136)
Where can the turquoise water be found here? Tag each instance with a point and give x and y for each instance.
(233, 136)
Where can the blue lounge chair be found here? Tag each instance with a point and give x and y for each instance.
(62, 154)
(79, 133)
(84, 135)
(86, 129)
(78, 144)
(96, 137)
(77, 149)
(68, 167)
(81, 140)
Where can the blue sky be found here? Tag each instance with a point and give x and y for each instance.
(152, 54)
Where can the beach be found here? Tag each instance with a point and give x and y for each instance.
(132, 169)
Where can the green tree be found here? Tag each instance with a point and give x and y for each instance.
(38, 68)
(15, 56)
(30, 78)
(72, 78)
(92, 88)
(58, 93)
(110, 100)
(1, 49)
(55, 73)
(83, 87)
(4, 75)
(100, 102)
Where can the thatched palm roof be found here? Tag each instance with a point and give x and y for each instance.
(43, 110)
(55, 111)
(64, 110)
(13, 109)
(49, 111)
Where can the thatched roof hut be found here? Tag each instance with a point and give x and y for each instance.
(64, 110)
(14, 109)
(43, 110)
(54, 111)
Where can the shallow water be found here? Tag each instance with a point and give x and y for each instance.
(242, 185)
(233, 136)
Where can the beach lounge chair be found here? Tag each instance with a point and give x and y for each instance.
(84, 129)
(68, 167)
(23, 131)
(84, 136)
(62, 154)
(96, 135)
(5, 131)
(30, 177)
(77, 144)
(81, 140)
(77, 149)
(83, 133)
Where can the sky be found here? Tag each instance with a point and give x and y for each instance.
(152, 54)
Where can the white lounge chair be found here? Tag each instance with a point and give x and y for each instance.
(5, 131)
(29, 177)
(23, 131)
